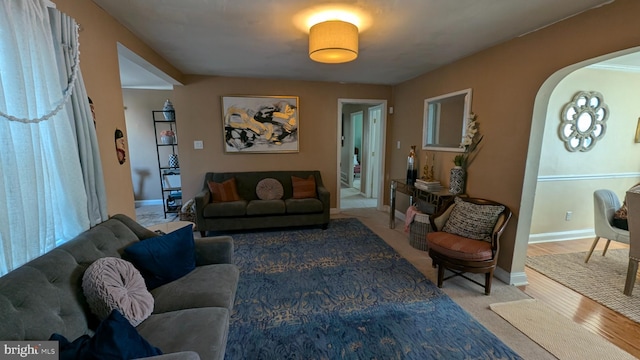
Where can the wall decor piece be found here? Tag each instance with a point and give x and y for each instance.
(260, 124)
(583, 121)
(638, 131)
(168, 111)
(120, 148)
(444, 121)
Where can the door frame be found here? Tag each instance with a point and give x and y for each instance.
(381, 141)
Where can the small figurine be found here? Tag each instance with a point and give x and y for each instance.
(427, 171)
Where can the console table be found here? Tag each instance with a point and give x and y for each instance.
(436, 198)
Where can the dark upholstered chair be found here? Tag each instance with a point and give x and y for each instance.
(466, 238)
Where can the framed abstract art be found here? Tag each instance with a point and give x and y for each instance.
(260, 124)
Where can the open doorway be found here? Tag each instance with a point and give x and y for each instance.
(544, 215)
(361, 125)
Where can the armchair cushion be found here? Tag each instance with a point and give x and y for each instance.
(458, 247)
(471, 220)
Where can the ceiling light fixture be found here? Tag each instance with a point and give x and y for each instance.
(333, 42)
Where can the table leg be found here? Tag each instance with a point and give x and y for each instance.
(392, 212)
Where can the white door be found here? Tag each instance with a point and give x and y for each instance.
(356, 142)
(373, 171)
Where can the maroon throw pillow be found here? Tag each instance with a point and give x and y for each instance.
(304, 188)
(224, 191)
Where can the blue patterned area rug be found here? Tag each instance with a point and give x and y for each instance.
(343, 293)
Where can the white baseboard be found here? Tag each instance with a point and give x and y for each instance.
(139, 203)
(515, 278)
(561, 236)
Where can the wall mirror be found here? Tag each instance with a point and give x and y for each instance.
(445, 119)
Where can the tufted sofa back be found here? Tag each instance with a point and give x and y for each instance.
(45, 295)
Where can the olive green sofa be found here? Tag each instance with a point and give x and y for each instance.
(284, 212)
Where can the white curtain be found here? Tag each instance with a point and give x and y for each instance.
(64, 31)
(42, 197)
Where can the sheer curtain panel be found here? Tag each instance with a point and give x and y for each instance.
(41, 184)
(65, 30)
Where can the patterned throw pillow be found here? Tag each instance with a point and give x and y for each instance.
(114, 284)
(304, 188)
(472, 220)
(269, 189)
(224, 191)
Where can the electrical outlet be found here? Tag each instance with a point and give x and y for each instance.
(197, 144)
(568, 215)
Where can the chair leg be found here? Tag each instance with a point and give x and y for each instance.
(440, 275)
(487, 282)
(632, 271)
(593, 246)
(606, 246)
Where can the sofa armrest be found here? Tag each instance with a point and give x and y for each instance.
(202, 199)
(182, 355)
(324, 196)
(214, 250)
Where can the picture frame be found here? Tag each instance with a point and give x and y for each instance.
(260, 124)
(637, 138)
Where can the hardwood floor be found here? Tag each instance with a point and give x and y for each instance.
(609, 324)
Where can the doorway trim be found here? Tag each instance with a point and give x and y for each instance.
(381, 141)
(517, 276)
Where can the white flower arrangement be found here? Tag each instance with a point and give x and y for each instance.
(469, 143)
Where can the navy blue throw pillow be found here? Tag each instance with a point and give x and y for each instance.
(165, 258)
(115, 339)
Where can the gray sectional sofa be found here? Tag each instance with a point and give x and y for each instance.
(250, 212)
(191, 314)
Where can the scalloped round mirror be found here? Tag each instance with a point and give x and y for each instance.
(583, 121)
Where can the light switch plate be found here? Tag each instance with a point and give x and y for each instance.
(198, 144)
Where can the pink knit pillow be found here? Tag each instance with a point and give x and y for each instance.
(112, 283)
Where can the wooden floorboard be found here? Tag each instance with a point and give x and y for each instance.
(599, 319)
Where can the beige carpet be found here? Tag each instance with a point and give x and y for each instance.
(601, 279)
(556, 333)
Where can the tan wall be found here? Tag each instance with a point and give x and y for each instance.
(99, 36)
(505, 80)
(142, 148)
(614, 162)
(199, 117)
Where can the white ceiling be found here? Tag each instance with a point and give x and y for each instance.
(400, 39)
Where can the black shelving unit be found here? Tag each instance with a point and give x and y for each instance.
(169, 175)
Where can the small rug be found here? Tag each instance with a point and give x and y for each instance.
(344, 293)
(557, 334)
(153, 214)
(601, 279)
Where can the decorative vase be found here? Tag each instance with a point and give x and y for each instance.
(173, 161)
(168, 111)
(456, 180)
(412, 166)
(167, 139)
